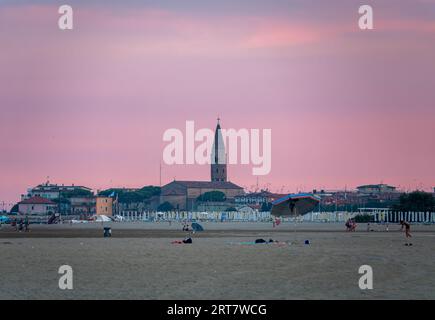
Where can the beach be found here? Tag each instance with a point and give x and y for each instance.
(140, 262)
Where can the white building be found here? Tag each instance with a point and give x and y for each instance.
(52, 191)
(37, 206)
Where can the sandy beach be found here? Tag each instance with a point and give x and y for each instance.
(139, 262)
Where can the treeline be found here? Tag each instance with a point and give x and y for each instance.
(417, 201)
(212, 196)
(127, 196)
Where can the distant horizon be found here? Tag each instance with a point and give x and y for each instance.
(89, 106)
(260, 188)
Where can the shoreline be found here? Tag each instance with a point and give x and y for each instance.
(211, 229)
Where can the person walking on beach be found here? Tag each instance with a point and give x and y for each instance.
(26, 224)
(407, 227)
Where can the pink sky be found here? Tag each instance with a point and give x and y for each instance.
(89, 106)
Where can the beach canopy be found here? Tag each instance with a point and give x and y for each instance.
(294, 205)
(101, 218)
(197, 227)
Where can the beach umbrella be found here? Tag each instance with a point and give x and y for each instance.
(294, 205)
(197, 227)
(4, 219)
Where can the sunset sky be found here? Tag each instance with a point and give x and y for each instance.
(89, 106)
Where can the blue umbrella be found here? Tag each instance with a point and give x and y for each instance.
(197, 227)
(4, 219)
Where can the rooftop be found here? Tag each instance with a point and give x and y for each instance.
(36, 200)
(207, 184)
(376, 186)
(52, 187)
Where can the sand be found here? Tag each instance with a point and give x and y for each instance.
(139, 262)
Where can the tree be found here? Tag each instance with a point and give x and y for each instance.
(14, 209)
(416, 201)
(126, 196)
(212, 196)
(363, 218)
(165, 207)
(76, 193)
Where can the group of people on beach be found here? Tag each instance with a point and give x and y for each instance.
(21, 225)
(350, 225)
(188, 238)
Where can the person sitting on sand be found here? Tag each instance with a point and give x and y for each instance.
(187, 240)
(260, 241)
(347, 224)
(353, 225)
(350, 225)
(407, 226)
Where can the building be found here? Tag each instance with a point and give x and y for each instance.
(376, 189)
(183, 195)
(82, 205)
(37, 206)
(257, 198)
(104, 206)
(54, 191)
(136, 208)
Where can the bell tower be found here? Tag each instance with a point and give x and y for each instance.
(218, 156)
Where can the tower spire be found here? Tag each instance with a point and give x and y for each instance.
(218, 156)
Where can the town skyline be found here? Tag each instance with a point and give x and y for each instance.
(5, 205)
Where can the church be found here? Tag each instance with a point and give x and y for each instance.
(183, 194)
